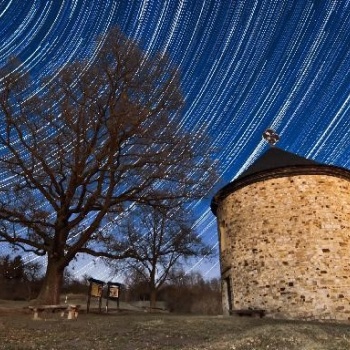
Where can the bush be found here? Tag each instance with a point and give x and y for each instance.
(193, 295)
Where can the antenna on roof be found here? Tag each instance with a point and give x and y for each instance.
(271, 137)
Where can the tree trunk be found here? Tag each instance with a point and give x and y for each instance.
(51, 288)
(153, 299)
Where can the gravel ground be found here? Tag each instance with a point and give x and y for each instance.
(130, 330)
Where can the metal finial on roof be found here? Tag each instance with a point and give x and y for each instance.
(271, 136)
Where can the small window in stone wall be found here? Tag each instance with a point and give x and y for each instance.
(222, 229)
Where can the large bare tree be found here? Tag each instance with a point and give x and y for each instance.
(86, 143)
(161, 238)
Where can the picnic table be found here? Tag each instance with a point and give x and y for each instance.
(72, 310)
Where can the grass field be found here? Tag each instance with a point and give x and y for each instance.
(132, 330)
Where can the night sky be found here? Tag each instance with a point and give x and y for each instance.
(246, 66)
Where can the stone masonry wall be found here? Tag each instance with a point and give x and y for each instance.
(285, 245)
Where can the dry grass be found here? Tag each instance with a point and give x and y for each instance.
(130, 330)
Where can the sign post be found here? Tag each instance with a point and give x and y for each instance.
(113, 293)
(95, 290)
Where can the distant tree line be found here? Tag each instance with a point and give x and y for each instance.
(182, 293)
(19, 281)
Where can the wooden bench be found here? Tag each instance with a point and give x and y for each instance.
(249, 312)
(72, 310)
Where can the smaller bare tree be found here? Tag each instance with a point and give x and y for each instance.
(160, 237)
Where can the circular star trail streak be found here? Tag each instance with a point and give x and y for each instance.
(246, 66)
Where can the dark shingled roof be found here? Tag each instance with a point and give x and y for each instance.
(276, 163)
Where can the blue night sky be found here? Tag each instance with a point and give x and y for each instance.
(246, 66)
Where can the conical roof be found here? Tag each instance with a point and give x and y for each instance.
(276, 163)
(276, 158)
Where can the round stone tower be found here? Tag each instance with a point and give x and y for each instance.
(284, 230)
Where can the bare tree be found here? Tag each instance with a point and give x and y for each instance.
(160, 238)
(85, 144)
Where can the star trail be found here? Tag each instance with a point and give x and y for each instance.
(246, 65)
